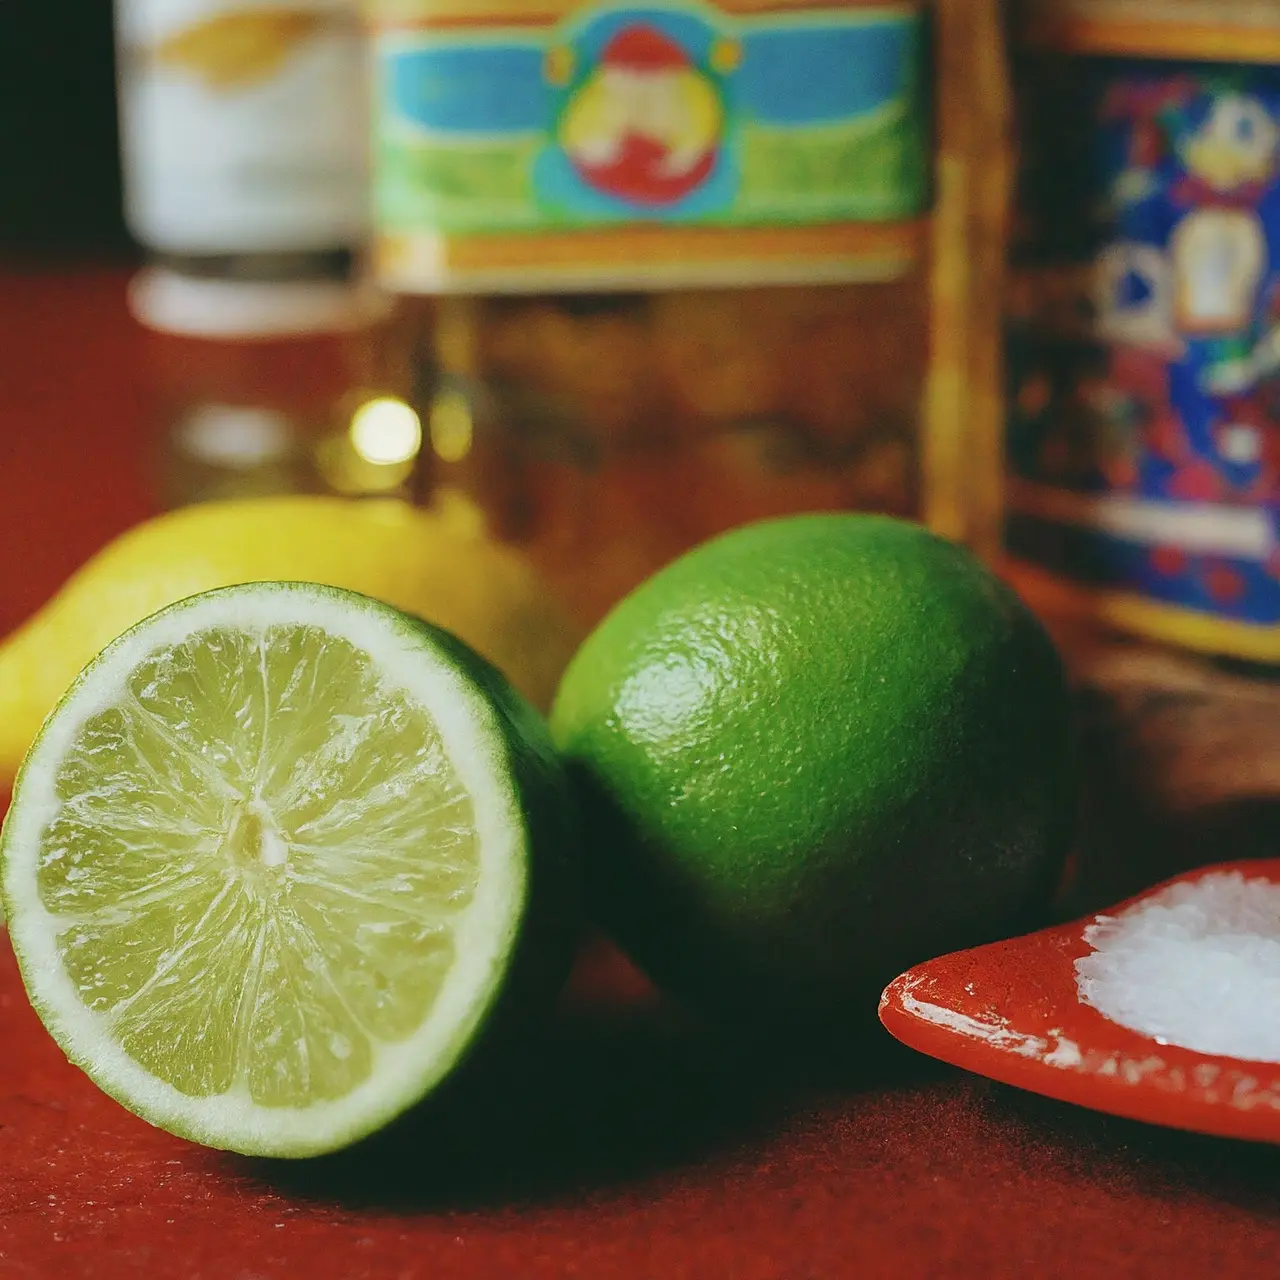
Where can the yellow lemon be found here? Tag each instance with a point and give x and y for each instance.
(419, 562)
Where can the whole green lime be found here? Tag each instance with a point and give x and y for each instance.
(811, 753)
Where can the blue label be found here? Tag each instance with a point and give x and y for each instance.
(1146, 457)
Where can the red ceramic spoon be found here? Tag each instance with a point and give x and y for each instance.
(1013, 1011)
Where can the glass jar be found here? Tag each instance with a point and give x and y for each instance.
(678, 261)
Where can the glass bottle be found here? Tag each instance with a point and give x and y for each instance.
(1144, 418)
(679, 262)
(244, 140)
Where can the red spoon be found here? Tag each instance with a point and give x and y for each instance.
(1021, 1013)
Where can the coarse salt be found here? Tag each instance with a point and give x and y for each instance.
(1196, 965)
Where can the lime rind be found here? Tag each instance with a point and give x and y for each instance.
(485, 932)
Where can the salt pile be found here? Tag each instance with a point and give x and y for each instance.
(1197, 965)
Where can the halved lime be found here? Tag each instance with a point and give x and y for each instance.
(268, 864)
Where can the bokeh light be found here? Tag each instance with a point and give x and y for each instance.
(386, 431)
(451, 426)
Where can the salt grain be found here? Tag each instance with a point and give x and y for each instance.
(1196, 965)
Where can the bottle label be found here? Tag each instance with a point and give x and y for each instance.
(604, 144)
(1145, 443)
(243, 125)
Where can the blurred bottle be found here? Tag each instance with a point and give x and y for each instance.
(244, 137)
(263, 388)
(1144, 418)
(677, 261)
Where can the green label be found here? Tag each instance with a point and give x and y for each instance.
(674, 116)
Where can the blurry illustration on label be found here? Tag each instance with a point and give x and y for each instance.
(1146, 457)
(646, 124)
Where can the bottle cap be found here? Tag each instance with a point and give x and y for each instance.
(169, 302)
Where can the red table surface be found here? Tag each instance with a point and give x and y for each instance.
(627, 1144)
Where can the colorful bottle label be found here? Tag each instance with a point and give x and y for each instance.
(244, 126)
(685, 130)
(1145, 444)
